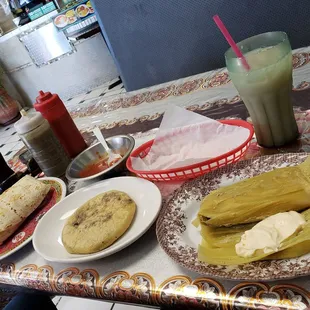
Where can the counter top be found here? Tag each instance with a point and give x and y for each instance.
(28, 26)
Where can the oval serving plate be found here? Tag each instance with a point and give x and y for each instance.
(25, 232)
(180, 239)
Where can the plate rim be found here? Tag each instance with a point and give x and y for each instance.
(82, 5)
(97, 256)
(63, 195)
(63, 24)
(62, 184)
(249, 277)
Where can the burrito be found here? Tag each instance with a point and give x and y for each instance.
(18, 202)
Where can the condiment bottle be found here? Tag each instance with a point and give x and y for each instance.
(55, 112)
(44, 146)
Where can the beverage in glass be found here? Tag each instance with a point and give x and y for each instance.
(266, 88)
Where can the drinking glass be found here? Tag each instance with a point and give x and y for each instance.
(266, 88)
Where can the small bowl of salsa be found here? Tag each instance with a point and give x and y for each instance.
(93, 164)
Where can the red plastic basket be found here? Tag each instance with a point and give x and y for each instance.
(192, 171)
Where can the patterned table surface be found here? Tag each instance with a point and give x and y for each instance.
(143, 273)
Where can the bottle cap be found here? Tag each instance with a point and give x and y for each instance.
(49, 105)
(43, 96)
(28, 122)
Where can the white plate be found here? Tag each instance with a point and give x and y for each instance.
(82, 6)
(25, 232)
(62, 24)
(62, 188)
(47, 236)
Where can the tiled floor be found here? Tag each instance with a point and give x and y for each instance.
(108, 89)
(68, 303)
(10, 143)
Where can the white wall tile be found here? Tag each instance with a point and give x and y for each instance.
(72, 303)
(89, 67)
(18, 59)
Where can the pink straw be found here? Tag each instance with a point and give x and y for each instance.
(231, 41)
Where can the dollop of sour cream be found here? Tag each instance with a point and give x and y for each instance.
(268, 234)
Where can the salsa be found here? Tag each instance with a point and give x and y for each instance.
(96, 167)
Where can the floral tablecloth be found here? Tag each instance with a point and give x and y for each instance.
(143, 273)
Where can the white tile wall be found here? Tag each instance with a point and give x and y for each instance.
(90, 66)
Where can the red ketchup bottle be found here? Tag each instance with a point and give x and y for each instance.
(54, 111)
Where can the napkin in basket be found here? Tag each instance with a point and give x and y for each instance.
(186, 138)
